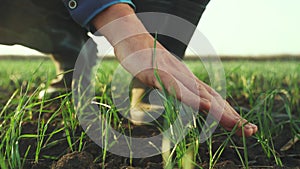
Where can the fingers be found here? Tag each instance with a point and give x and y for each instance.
(204, 98)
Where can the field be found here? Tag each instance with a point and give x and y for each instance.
(44, 133)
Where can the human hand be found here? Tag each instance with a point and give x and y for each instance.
(134, 48)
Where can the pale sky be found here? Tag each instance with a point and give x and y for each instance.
(242, 27)
(253, 27)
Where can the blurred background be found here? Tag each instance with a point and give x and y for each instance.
(239, 28)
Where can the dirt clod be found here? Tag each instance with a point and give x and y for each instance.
(78, 160)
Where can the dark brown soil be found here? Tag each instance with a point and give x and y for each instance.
(80, 160)
(59, 155)
(87, 158)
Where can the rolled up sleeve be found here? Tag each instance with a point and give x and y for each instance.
(83, 11)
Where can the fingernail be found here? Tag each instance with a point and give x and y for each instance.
(253, 125)
(248, 126)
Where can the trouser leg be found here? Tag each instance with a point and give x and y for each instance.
(64, 66)
(190, 10)
(64, 58)
(67, 39)
(47, 27)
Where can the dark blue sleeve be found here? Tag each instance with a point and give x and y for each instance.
(83, 11)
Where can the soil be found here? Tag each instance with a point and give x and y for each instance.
(63, 158)
(229, 158)
(87, 158)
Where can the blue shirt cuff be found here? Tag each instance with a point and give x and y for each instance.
(83, 11)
